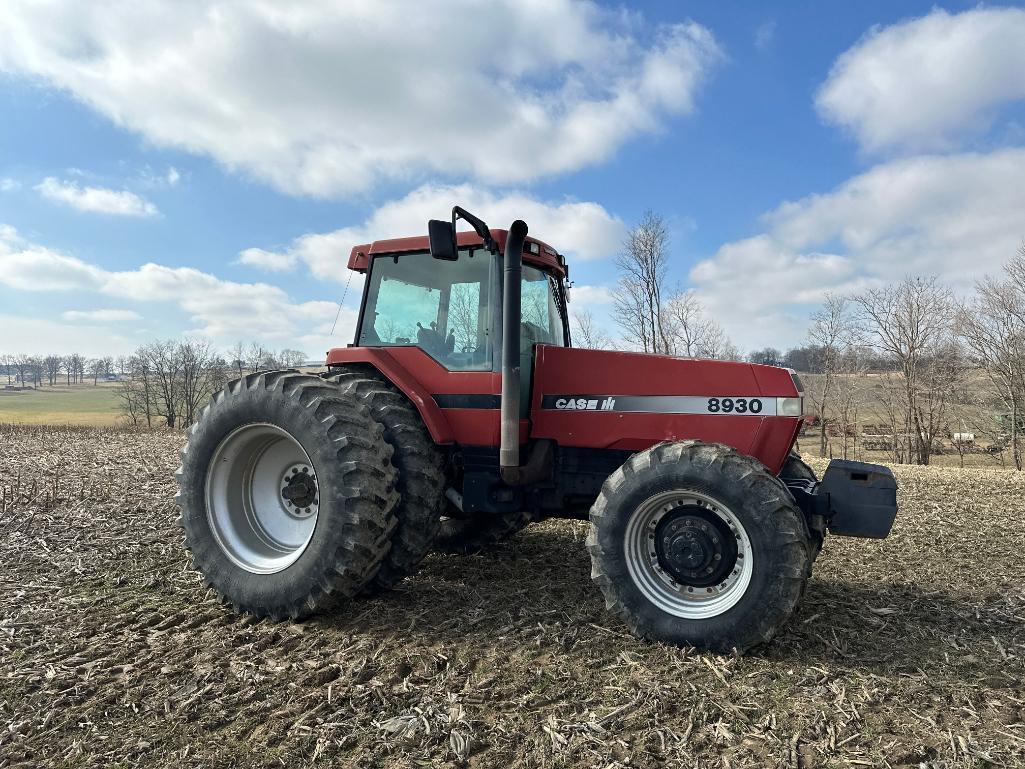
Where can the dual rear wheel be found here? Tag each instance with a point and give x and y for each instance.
(298, 491)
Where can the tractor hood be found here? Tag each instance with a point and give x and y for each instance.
(624, 400)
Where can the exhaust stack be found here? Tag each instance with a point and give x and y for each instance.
(509, 452)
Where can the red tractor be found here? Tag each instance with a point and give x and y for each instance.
(461, 412)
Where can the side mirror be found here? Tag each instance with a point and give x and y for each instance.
(443, 240)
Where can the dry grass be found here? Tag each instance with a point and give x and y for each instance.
(907, 652)
(78, 404)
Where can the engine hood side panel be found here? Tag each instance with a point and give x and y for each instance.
(622, 400)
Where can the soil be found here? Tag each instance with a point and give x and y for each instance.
(907, 652)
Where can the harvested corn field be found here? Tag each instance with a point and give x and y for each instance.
(907, 651)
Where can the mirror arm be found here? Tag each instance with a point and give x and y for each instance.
(478, 226)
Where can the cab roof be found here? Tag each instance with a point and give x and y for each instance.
(546, 257)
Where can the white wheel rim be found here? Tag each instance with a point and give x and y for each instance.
(262, 498)
(661, 587)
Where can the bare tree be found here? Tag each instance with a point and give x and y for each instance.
(850, 371)
(256, 356)
(831, 333)
(165, 366)
(691, 333)
(717, 345)
(270, 361)
(142, 380)
(642, 264)
(910, 322)
(23, 365)
(133, 401)
(52, 364)
(464, 316)
(588, 334)
(291, 358)
(171, 379)
(36, 370)
(629, 314)
(993, 327)
(767, 356)
(97, 366)
(237, 357)
(74, 367)
(202, 373)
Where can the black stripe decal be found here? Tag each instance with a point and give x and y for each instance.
(468, 401)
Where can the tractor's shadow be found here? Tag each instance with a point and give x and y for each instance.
(542, 581)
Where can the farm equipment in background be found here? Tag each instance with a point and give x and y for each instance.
(461, 412)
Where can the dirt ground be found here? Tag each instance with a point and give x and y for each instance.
(908, 652)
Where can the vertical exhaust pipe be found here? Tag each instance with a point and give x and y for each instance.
(509, 452)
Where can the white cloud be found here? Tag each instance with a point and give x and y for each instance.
(172, 177)
(322, 98)
(28, 267)
(101, 316)
(95, 199)
(580, 230)
(34, 336)
(8, 184)
(590, 297)
(924, 83)
(271, 261)
(958, 217)
(220, 309)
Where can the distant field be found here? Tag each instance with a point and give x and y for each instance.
(82, 404)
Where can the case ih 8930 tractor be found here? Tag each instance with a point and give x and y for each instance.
(461, 413)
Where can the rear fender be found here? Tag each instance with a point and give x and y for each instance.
(437, 424)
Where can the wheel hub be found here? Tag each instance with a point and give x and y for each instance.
(299, 491)
(695, 546)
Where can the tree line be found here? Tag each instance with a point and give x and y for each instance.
(40, 370)
(908, 365)
(162, 383)
(170, 380)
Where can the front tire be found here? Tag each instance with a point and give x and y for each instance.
(694, 544)
(795, 467)
(286, 494)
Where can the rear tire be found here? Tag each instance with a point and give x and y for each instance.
(478, 533)
(656, 529)
(286, 491)
(421, 476)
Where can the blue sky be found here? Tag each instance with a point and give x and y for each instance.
(204, 168)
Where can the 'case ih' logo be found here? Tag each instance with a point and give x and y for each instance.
(585, 404)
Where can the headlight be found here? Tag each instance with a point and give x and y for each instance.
(790, 407)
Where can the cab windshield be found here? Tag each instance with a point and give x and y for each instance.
(446, 308)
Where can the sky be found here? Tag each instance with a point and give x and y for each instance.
(203, 168)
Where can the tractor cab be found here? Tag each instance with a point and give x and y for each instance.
(451, 309)
(451, 306)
